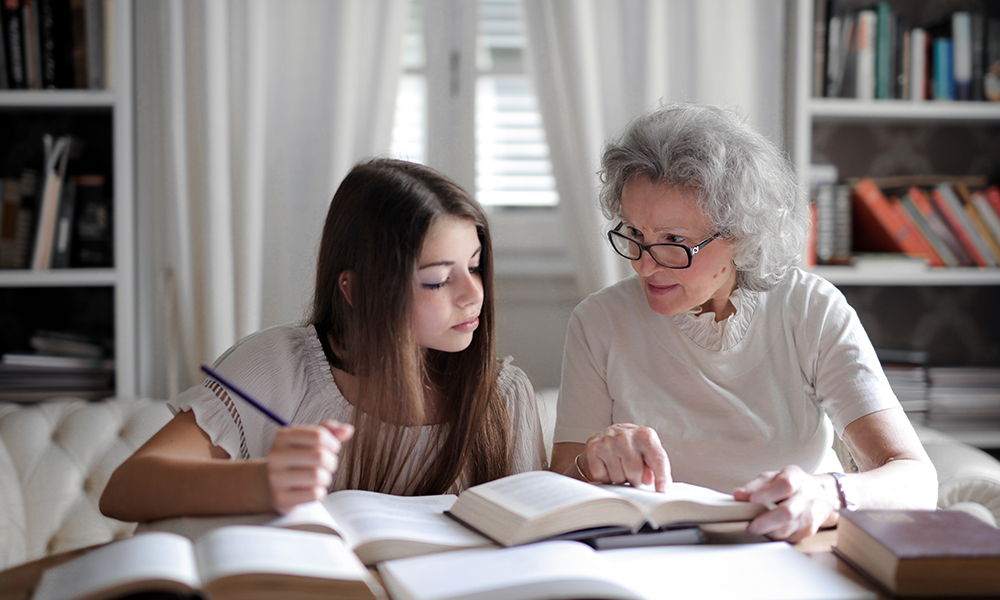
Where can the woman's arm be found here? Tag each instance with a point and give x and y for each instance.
(895, 473)
(179, 472)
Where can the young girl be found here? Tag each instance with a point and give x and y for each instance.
(400, 343)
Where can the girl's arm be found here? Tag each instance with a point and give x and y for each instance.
(179, 472)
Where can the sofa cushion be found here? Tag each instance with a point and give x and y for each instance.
(55, 459)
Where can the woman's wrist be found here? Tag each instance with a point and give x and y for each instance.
(579, 469)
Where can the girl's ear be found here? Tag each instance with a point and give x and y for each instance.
(345, 281)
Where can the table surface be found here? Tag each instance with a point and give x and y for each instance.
(18, 582)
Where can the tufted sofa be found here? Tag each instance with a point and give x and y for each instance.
(57, 456)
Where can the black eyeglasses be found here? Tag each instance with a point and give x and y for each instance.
(671, 256)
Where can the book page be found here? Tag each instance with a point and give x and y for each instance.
(368, 516)
(245, 549)
(767, 571)
(685, 502)
(544, 570)
(124, 565)
(536, 493)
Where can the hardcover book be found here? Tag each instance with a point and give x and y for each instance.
(922, 553)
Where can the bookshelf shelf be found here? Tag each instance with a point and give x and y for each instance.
(846, 110)
(59, 278)
(99, 301)
(888, 275)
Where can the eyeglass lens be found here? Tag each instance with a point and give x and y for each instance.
(666, 255)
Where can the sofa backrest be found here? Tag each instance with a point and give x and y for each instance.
(55, 459)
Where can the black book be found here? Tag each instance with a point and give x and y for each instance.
(55, 27)
(13, 37)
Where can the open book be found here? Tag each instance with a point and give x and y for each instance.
(535, 505)
(375, 526)
(564, 569)
(236, 562)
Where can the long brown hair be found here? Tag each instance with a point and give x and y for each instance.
(375, 227)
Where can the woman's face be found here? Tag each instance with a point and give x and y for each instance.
(449, 292)
(653, 213)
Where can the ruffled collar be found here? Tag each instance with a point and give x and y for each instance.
(702, 328)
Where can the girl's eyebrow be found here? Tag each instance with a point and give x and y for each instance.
(447, 263)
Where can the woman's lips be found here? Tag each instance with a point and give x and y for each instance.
(468, 326)
(659, 290)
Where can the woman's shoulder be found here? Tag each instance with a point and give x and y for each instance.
(622, 299)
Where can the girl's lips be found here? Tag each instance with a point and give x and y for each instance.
(468, 326)
(659, 290)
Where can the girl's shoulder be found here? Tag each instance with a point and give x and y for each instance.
(278, 341)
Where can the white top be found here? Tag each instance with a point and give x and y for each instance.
(285, 368)
(730, 400)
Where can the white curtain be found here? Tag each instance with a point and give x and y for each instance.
(596, 64)
(248, 114)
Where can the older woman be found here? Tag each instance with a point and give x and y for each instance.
(720, 362)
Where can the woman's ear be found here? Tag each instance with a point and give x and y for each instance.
(345, 281)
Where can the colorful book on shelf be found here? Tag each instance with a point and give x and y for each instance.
(944, 82)
(924, 225)
(882, 225)
(230, 563)
(922, 553)
(884, 29)
(976, 216)
(864, 87)
(923, 203)
(917, 69)
(953, 211)
(961, 35)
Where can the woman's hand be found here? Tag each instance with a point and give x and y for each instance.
(302, 462)
(625, 453)
(802, 503)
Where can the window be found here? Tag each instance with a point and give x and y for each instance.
(466, 63)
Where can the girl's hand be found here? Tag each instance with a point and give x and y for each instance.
(302, 461)
(802, 503)
(626, 453)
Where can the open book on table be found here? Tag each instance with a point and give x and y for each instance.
(375, 526)
(565, 569)
(234, 562)
(536, 505)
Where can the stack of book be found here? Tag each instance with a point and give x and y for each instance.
(58, 364)
(900, 51)
(906, 371)
(947, 222)
(964, 398)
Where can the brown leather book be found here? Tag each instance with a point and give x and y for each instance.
(922, 553)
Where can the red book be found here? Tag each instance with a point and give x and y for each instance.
(993, 195)
(955, 222)
(882, 225)
(922, 553)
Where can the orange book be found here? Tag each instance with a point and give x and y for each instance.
(882, 225)
(950, 208)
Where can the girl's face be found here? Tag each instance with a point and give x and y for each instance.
(654, 213)
(449, 291)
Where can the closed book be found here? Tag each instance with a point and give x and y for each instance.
(55, 28)
(988, 215)
(952, 207)
(922, 553)
(928, 232)
(944, 82)
(918, 54)
(13, 38)
(923, 203)
(961, 34)
(865, 65)
(885, 26)
(882, 226)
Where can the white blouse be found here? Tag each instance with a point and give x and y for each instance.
(285, 368)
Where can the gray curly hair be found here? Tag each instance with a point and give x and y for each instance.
(744, 184)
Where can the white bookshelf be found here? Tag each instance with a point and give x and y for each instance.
(117, 103)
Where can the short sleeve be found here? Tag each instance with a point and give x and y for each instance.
(527, 444)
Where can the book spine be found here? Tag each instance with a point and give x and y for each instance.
(919, 199)
(13, 25)
(819, 47)
(32, 44)
(961, 32)
(915, 244)
(94, 26)
(988, 214)
(944, 82)
(951, 208)
(944, 255)
(865, 67)
(883, 54)
(977, 29)
(984, 233)
(918, 53)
